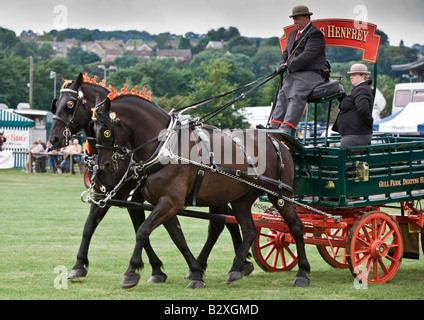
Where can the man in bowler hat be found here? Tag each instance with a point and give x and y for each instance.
(304, 59)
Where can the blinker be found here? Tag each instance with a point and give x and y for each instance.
(107, 134)
(70, 104)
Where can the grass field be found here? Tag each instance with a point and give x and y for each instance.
(42, 218)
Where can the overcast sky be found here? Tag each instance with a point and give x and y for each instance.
(254, 18)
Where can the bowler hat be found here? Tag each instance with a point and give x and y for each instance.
(300, 11)
(358, 68)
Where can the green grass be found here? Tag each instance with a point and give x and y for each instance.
(42, 219)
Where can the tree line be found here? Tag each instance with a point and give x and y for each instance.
(174, 83)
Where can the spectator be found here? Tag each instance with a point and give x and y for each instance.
(64, 165)
(40, 164)
(76, 152)
(52, 162)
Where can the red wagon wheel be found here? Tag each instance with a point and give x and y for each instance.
(374, 248)
(334, 256)
(87, 181)
(272, 252)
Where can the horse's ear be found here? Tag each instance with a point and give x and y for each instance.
(79, 81)
(107, 105)
(62, 80)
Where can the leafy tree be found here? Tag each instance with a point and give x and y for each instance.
(79, 57)
(163, 42)
(8, 39)
(13, 80)
(46, 51)
(214, 82)
(126, 61)
(266, 60)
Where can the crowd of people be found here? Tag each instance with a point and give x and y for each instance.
(44, 157)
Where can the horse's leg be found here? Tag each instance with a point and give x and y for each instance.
(94, 217)
(243, 214)
(237, 240)
(137, 218)
(196, 270)
(163, 211)
(288, 213)
(158, 276)
(214, 231)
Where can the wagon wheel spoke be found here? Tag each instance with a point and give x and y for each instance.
(271, 250)
(381, 230)
(266, 244)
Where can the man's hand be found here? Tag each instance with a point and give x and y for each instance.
(281, 69)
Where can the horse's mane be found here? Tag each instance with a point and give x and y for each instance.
(145, 102)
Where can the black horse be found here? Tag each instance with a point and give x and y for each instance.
(167, 186)
(72, 113)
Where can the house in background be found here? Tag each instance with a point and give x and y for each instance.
(177, 55)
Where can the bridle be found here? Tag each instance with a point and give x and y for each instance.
(121, 152)
(109, 135)
(72, 106)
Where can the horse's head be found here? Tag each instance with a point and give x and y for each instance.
(72, 109)
(111, 136)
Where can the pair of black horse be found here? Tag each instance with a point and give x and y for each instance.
(141, 122)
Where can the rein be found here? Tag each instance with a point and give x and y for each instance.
(215, 112)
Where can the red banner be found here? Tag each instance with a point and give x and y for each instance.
(345, 33)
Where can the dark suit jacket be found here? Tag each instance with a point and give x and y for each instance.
(355, 115)
(310, 55)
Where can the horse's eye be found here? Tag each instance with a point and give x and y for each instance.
(70, 104)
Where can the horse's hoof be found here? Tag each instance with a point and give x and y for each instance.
(189, 276)
(158, 278)
(247, 269)
(234, 276)
(301, 282)
(196, 284)
(77, 273)
(130, 281)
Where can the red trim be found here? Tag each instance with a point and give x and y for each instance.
(289, 124)
(276, 121)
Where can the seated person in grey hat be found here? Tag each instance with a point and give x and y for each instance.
(304, 58)
(354, 121)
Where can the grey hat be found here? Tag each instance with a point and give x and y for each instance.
(300, 11)
(358, 68)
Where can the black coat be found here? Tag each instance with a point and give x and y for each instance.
(310, 55)
(355, 115)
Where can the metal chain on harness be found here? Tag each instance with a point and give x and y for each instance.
(171, 155)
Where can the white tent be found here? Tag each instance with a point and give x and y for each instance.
(410, 119)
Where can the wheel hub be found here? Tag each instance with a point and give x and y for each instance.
(379, 249)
